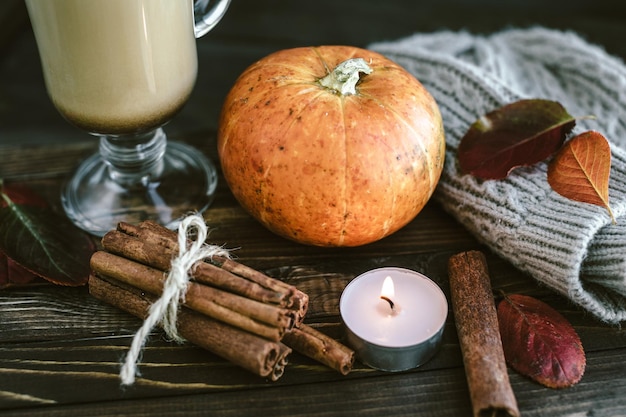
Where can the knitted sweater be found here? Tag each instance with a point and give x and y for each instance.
(569, 246)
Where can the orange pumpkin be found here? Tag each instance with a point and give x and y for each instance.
(330, 145)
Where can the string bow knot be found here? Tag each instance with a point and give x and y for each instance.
(165, 309)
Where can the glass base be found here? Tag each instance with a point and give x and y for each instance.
(185, 183)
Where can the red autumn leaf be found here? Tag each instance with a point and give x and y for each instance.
(519, 134)
(539, 342)
(580, 170)
(20, 194)
(14, 275)
(41, 241)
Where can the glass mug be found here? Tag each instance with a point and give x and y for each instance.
(120, 70)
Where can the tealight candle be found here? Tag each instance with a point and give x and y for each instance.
(393, 318)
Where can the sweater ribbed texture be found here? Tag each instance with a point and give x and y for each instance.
(569, 246)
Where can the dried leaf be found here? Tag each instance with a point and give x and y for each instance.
(22, 195)
(14, 275)
(539, 342)
(580, 170)
(41, 241)
(518, 134)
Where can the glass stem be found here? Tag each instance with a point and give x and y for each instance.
(134, 160)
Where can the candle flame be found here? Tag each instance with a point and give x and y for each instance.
(388, 290)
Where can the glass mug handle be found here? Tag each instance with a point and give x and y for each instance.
(207, 13)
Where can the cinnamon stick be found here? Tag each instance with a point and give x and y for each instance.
(256, 354)
(479, 336)
(318, 346)
(214, 275)
(151, 232)
(299, 299)
(266, 320)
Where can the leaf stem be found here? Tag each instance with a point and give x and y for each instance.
(608, 207)
(2, 193)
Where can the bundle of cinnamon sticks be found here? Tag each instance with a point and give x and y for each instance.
(230, 309)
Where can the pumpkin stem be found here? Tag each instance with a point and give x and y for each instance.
(344, 77)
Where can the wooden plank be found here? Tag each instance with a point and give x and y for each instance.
(21, 163)
(441, 393)
(91, 366)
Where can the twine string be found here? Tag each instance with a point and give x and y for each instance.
(165, 309)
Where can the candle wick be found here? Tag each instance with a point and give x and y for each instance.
(388, 300)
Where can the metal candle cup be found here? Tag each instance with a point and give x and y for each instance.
(393, 332)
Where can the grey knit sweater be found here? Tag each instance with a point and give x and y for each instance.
(571, 247)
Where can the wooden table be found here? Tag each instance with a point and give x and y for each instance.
(60, 349)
